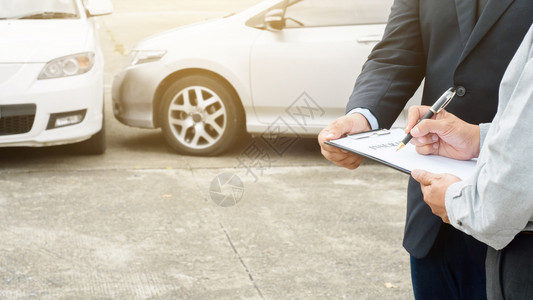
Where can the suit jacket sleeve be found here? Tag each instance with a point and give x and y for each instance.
(496, 203)
(394, 68)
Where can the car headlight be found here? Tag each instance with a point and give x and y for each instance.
(71, 65)
(138, 57)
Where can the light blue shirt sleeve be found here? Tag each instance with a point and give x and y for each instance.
(368, 115)
(495, 203)
(483, 130)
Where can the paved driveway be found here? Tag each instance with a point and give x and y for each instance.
(144, 223)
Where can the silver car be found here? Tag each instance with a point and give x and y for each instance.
(287, 66)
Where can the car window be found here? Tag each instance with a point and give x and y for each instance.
(38, 9)
(313, 13)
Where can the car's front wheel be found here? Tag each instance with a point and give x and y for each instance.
(199, 115)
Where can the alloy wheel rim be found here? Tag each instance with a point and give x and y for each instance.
(197, 117)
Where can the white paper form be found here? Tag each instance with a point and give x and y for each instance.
(380, 145)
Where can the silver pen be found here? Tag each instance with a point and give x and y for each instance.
(439, 105)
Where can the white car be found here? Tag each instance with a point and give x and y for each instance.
(51, 73)
(280, 67)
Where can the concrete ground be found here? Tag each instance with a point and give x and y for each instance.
(142, 222)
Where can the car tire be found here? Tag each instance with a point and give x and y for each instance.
(199, 115)
(96, 144)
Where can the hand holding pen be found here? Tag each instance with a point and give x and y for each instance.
(446, 135)
(438, 106)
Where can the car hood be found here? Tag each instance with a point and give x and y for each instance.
(195, 31)
(215, 30)
(164, 39)
(39, 41)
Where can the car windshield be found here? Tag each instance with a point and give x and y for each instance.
(38, 9)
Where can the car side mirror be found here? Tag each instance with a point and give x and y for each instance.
(274, 19)
(98, 7)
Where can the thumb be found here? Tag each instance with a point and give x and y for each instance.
(327, 135)
(337, 129)
(332, 134)
(423, 177)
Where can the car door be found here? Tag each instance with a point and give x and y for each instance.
(305, 72)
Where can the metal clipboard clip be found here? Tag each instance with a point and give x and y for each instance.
(373, 133)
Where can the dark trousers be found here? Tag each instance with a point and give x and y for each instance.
(453, 269)
(510, 270)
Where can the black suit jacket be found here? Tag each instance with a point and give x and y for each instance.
(437, 40)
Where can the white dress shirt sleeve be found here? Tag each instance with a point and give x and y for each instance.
(368, 115)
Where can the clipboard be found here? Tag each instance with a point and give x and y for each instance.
(380, 145)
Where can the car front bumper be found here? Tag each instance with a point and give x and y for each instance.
(70, 98)
(133, 94)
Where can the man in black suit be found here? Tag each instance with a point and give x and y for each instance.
(466, 44)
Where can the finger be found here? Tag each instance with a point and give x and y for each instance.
(425, 140)
(331, 132)
(351, 162)
(414, 115)
(445, 219)
(438, 127)
(343, 159)
(337, 129)
(336, 156)
(423, 177)
(327, 135)
(353, 123)
(428, 149)
(330, 149)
